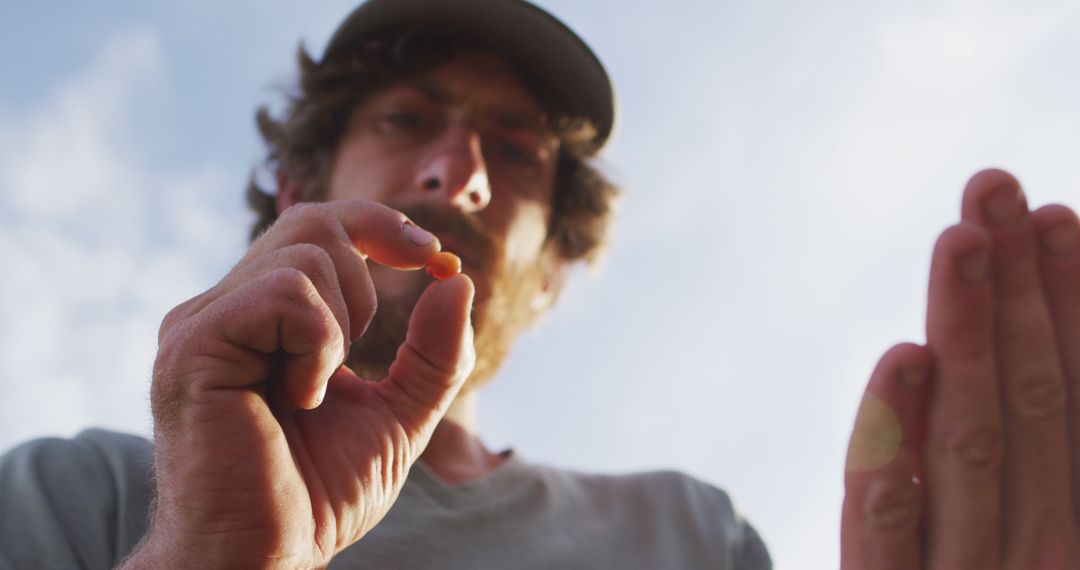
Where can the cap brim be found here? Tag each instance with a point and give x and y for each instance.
(526, 35)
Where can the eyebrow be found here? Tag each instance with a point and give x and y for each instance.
(433, 91)
(506, 117)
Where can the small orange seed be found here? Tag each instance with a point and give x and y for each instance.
(444, 265)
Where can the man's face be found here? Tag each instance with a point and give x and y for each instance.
(465, 152)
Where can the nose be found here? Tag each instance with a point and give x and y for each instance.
(455, 172)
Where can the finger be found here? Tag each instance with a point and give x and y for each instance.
(318, 266)
(1059, 235)
(963, 446)
(338, 271)
(385, 235)
(883, 501)
(314, 262)
(348, 231)
(435, 359)
(1037, 500)
(278, 315)
(351, 230)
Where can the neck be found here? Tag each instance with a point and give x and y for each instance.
(455, 454)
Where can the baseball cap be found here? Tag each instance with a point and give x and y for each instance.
(527, 36)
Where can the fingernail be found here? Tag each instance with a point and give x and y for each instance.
(1061, 239)
(416, 235)
(913, 377)
(1005, 205)
(974, 265)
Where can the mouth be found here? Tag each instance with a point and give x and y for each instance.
(458, 233)
(469, 259)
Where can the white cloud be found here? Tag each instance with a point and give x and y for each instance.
(98, 245)
(67, 159)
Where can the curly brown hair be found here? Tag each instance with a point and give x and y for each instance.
(302, 143)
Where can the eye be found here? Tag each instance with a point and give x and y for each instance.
(515, 154)
(402, 122)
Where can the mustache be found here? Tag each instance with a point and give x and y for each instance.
(467, 233)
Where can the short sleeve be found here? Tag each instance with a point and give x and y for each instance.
(751, 552)
(74, 503)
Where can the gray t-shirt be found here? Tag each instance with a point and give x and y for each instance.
(84, 503)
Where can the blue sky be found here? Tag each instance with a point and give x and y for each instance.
(788, 166)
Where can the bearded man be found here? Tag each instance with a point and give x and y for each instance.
(294, 424)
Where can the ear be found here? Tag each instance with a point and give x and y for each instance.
(288, 192)
(551, 286)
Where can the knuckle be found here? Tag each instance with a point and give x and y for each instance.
(892, 506)
(304, 213)
(905, 350)
(312, 223)
(903, 356)
(321, 332)
(295, 289)
(175, 316)
(309, 251)
(310, 258)
(318, 267)
(315, 330)
(978, 449)
(290, 283)
(961, 236)
(1036, 396)
(898, 353)
(428, 371)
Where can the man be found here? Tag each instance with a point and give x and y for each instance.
(268, 454)
(297, 425)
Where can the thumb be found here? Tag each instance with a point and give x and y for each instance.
(435, 359)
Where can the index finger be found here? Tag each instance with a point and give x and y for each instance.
(349, 231)
(382, 233)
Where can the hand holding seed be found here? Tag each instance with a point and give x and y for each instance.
(268, 451)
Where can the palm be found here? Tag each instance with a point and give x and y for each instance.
(353, 453)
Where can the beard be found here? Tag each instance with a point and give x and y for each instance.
(502, 308)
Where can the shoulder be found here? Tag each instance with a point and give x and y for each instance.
(94, 459)
(90, 448)
(85, 497)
